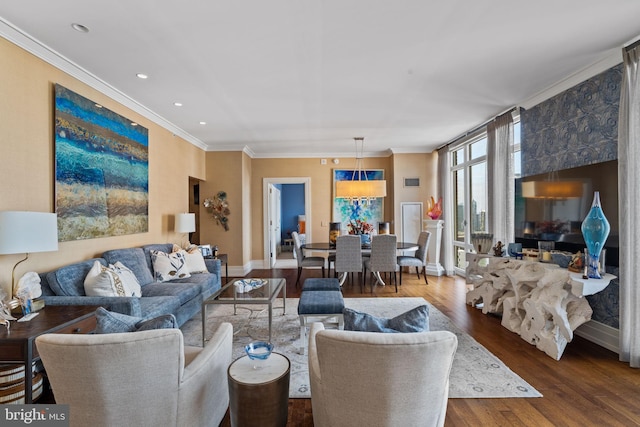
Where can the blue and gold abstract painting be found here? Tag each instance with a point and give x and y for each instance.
(102, 170)
(344, 210)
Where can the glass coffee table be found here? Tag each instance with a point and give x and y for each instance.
(247, 291)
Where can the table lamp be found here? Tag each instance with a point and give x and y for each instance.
(185, 223)
(27, 232)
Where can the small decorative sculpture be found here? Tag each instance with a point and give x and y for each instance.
(434, 210)
(577, 263)
(5, 311)
(498, 249)
(219, 209)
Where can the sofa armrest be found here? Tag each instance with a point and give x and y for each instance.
(124, 305)
(213, 265)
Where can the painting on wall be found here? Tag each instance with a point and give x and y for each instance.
(345, 210)
(102, 170)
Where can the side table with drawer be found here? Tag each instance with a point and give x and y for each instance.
(18, 344)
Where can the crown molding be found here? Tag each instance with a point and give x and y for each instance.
(610, 59)
(23, 40)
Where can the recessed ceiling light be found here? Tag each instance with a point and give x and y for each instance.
(203, 123)
(80, 28)
(178, 104)
(142, 76)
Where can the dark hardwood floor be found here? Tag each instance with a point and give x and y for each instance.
(588, 386)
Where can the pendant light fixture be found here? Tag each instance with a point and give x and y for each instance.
(360, 188)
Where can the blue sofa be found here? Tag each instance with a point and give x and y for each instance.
(181, 297)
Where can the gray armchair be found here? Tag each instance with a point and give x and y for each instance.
(378, 379)
(139, 378)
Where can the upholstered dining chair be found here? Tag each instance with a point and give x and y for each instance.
(419, 259)
(407, 386)
(303, 261)
(383, 258)
(144, 378)
(348, 256)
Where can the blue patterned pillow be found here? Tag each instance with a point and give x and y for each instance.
(109, 322)
(414, 320)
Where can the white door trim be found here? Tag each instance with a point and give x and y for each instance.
(265, 210)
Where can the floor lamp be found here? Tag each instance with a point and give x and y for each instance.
(26, 232)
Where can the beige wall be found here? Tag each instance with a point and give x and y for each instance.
(321, 191)
(423, 166)
(27, 174)
(27, 161)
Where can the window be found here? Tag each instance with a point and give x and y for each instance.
(470, 191)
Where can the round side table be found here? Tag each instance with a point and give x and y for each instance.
(259, 397)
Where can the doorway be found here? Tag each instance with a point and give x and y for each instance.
(272, 225)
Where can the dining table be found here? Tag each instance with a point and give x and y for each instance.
(366, 249)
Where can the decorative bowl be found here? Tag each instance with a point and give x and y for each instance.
(258, 350)
(482, 242)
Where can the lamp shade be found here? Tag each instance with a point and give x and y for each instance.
(361, 189)
(185, 223)
(26, 232)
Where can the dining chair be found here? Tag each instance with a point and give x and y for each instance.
(383, 258)
(304, 261)
(419, 259)
(348, 256)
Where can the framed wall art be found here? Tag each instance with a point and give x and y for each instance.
(102, 170)
(345, 210)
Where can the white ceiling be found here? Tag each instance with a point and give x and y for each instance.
(296, 78)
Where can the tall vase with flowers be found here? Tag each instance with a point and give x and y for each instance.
(361, 228)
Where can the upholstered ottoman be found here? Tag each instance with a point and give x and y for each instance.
(319, 306)
(324, 284)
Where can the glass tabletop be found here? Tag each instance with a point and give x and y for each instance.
(251, 290)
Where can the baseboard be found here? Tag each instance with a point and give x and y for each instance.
(240, 271)
(600, 334)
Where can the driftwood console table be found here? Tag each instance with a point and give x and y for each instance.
(541, 302)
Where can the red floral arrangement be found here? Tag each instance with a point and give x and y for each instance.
(360, 227)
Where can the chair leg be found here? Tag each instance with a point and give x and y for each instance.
(299, 273)
(395, 280)
(418, 272)
(424, 273)
(400, 276)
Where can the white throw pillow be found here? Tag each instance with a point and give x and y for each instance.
(128, 279)
(168, 267)
(195, 261)
(101, 281)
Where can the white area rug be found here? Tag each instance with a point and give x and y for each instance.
(476, 372)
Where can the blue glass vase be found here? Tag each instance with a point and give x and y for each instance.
(595, 230)
(365, 239)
